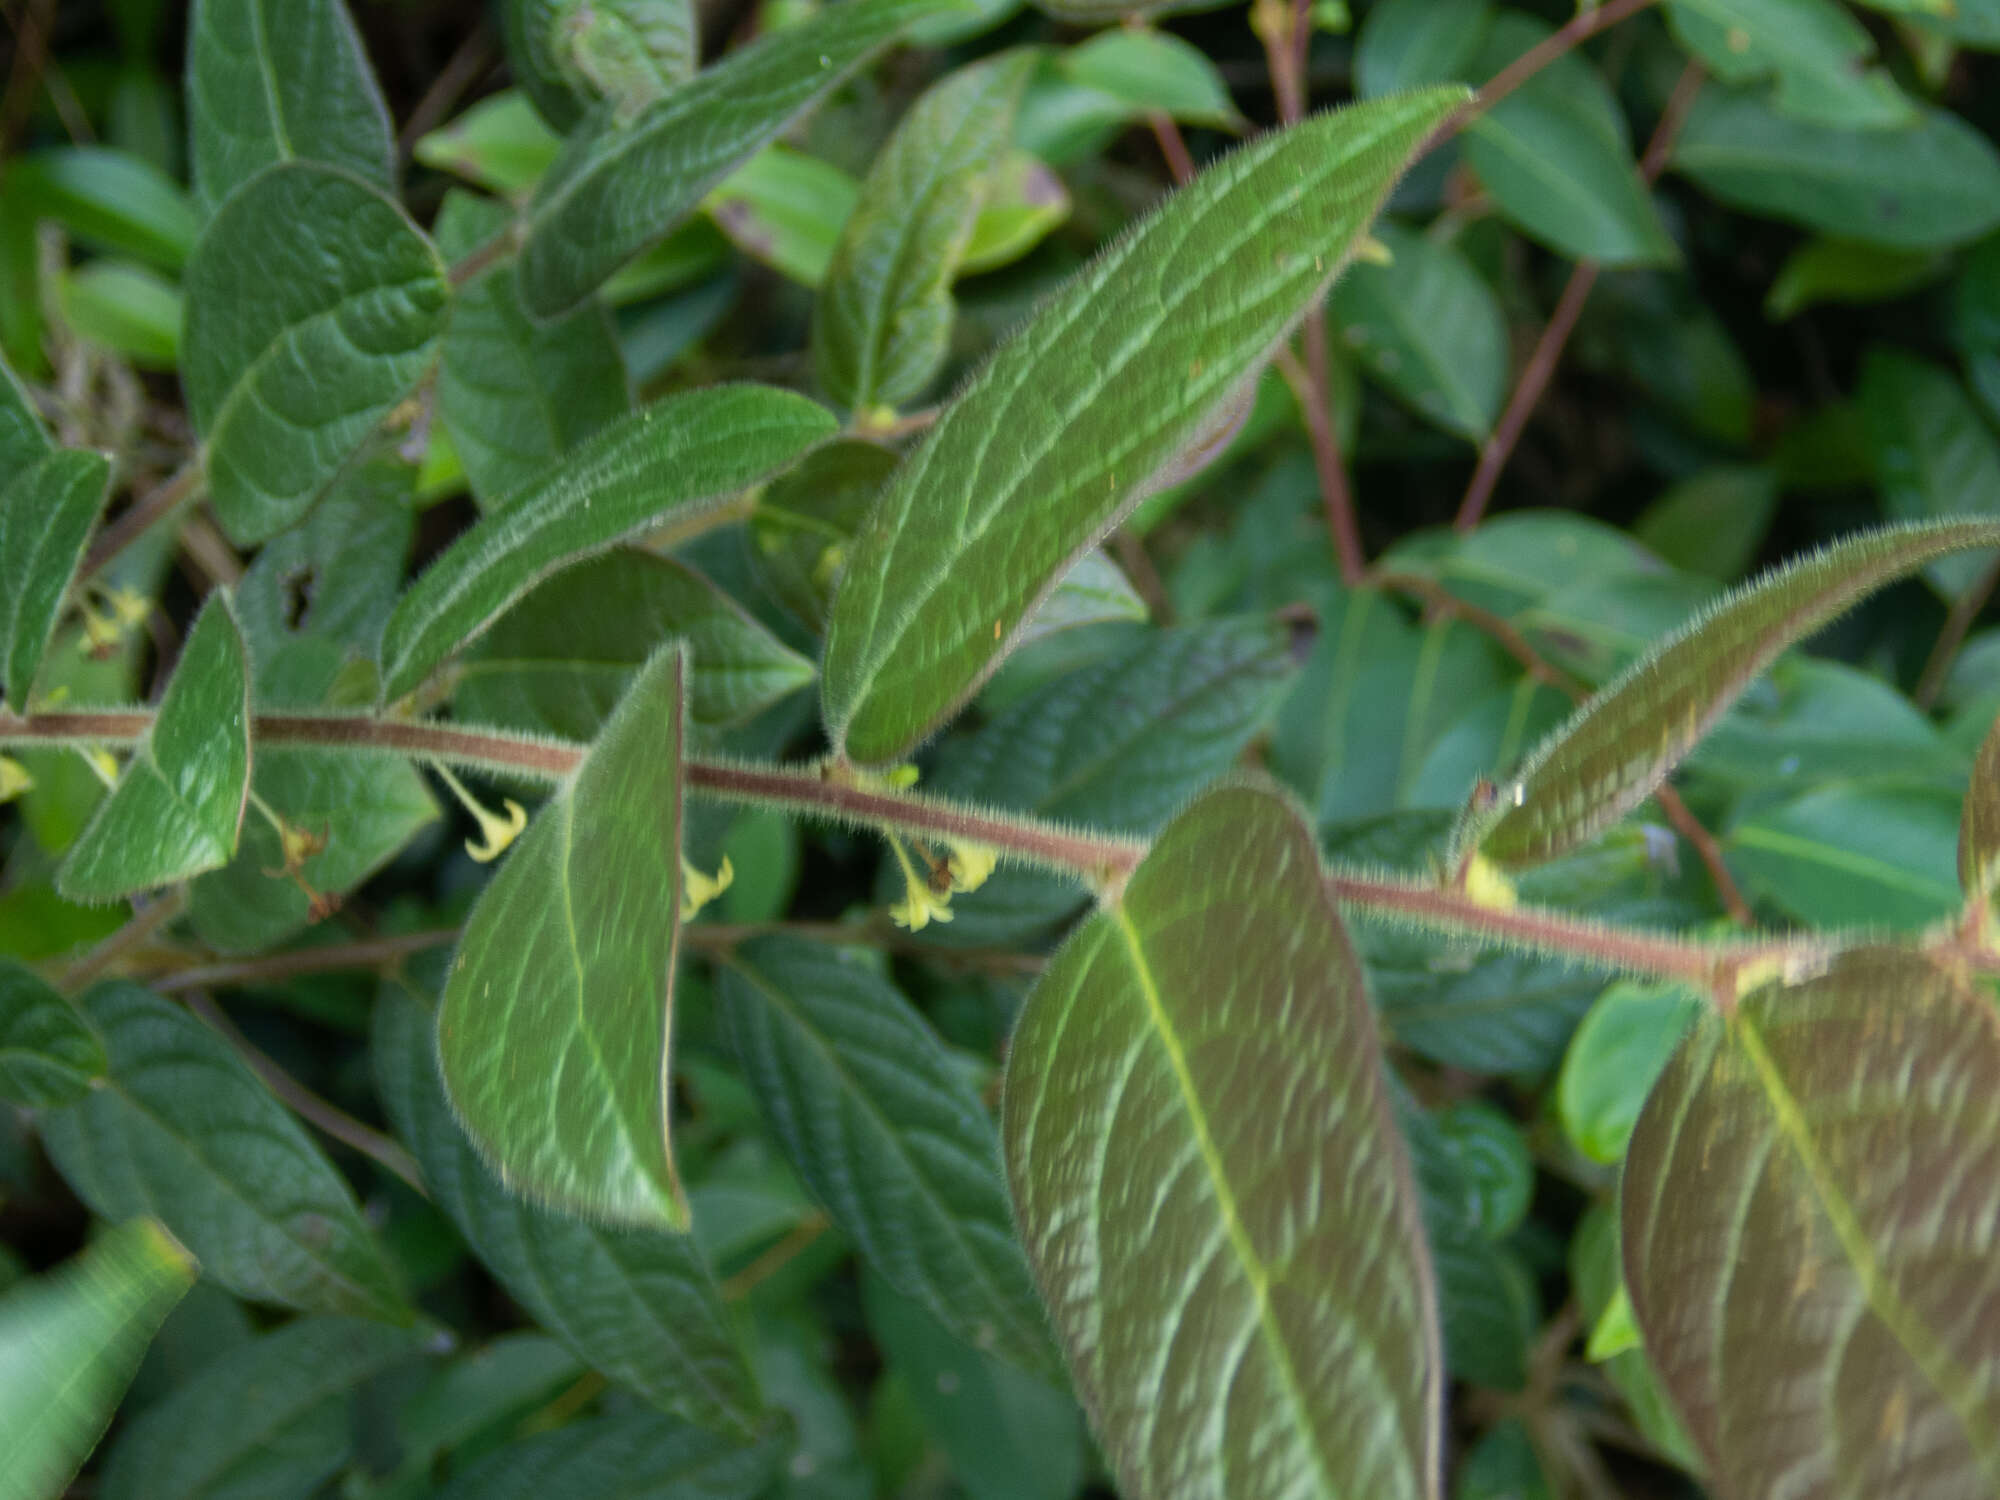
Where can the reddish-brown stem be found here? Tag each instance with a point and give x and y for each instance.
(460, 72)
(369, 953)
(1964, 610)
(142, 516)
(1173, 145)
(111, 953)
(775, 1259)
(1708, 851)
(1313, 398)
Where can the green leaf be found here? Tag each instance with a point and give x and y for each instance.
(1819, 54)
(1934, 454)
(1976, 23)
(1613, 1060)
(499, 144)
(1853, 856)
(636, 1454)
(183, 1130)
(1809, 1274)
(1429, 328)
(109, 199)
(48, 506)
(515, 394)
(569, 54)
(554, 1030)
(178, 807)
(133, 312)
(1094, 592)
(621, 186)
(69, 1344)
(1490, 1158)
(1712, 522)
(888, 1133)
(1979, 826)
(1627, 739)
(505, 1382)
(805, 521)
(882, 325)
(1253, 1331)
(23, 439)
(639, 1306)
(273, 81)
(1926, 186)
(1117, 378)
(671, 464)
(1105, 12)
(313, 307)
(1024, 203)
(275, 1416)
(559, 661)
(49, 1055)
(1834, 270)
(786, 209)
(1151, 70)
(1406, 44)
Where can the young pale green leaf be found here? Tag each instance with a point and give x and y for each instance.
(1204, 1047)
(555, 1027)
(313, 307)
(1833, 270)
(559, 661)
(1406, 44)
(1622, 744)
(271, 81)
(1931, 185)
(1979, 826)
(883, 321)
(124, 307)
(23, 439)
(637, 1305)
(48, 506)
(670, 464)
(69, 1344)
(569, 54)
(1976, 23)
(888, 1134)
(1154, 70)
(274, 1416)
(1807, 1240)
(178, 807)
(1111, 382)
(1819, 53)
(1934, 454)
(1613, 1060)
(636, 1454)
(49, 1054)
(623, 184)
(499, 144)
(786, 209)
(109, 199)
(183, 1130)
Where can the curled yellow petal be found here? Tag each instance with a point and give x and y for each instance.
(1487, 886)
(14, 779)
(920, 907)
(970, 864)
(495, 831)
(697, 889)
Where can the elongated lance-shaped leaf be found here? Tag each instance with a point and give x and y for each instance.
(47, 508)
(1811, 1236)
(178, 808)
(555, 1024)
(313, 307)
(1062, 429)
(1214, 1195)
(1979, 826)
(888, 1134)
(69, 1344)
(670, 464)
(622, 186)
(883, 320)
(638, 1305)
(1626, 740)
(49, 1053)
(568, 54)
(280, 80)
(23, 439)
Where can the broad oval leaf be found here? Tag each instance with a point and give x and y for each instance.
(1214, 1196)
(1625, 741)
(184, 1131)
(555, 1025)
(1819, 54)
(178, 807)
(48, 506)
(883, 319)
(671, 463)
(888, 1134)
(49, 1054)
(1060, 432)
(623, 185)
(1809, 1240)
(280, 80)
(1979, 828)
(569, 54)
(630, 1454)
(313, 307)
(69, 1344)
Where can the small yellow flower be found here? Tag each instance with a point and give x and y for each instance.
(1487, 886)
(970, 864)
(697, 889)
(102, 761)
(495, 832)
(921, 907)
(130, 606)
(14, 779)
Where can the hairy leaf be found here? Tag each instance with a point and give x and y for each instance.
(1627, 739)
(48, 505)
(178, 807)
(554, 1029)
(1819, 53)
(672, 463)
(1063, 428)
(636, 1454)
(569, 54)
(313, 307)
(23, 439)
(184, 1131)
(1215, 1199)
(49, 1054)
(1809, 1244)
(1979, 828)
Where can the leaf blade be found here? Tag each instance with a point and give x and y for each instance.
(49, 1054)
(47, 509)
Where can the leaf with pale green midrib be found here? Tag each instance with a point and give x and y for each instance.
(178, 807)
(1809, 1245)
(1820, 54)
(313, 308)
(1627, 739)
(183, 1130)
(48, 1052)
(1062, 429)
(622, 186)
(23, 439)
(888, 1134)
(1979, 830)
(672, 463)
(883, 319)
(69, 1344)
(637, 1305)
(1203, 1051)
(280, 80)
(568, 54)
(47, 508)
(554, 1030)
(632, 1453)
